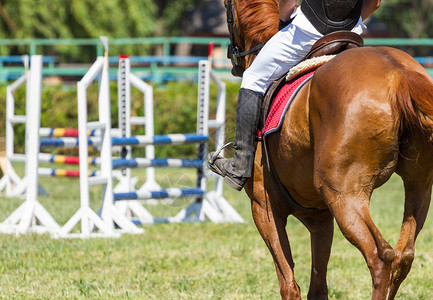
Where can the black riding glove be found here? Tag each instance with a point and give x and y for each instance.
(282, 24)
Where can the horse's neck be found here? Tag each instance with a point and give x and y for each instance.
(259, 19)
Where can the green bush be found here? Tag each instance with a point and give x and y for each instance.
(175, 111)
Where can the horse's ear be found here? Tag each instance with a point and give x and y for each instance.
(238, 71)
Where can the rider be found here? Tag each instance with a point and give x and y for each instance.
(299, 28)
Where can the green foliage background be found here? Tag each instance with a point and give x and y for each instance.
(90, 19)
(407, 18)
(75, 19)
(143, 18)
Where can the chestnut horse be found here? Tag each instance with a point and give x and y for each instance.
(365, 114)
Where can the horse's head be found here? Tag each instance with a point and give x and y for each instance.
(251, 23)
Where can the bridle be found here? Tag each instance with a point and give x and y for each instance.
(234, 51)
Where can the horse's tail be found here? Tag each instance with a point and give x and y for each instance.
(414, 99)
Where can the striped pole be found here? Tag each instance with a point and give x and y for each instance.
(65, 159)
(54, 172)
(123, 162)
(70, 142)
(209, 54)
(65, 132)
(157, 163)
(161, 139)
(124, 106)
(163, 194)
(202, 119)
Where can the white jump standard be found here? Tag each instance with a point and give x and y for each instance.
(11, 182)
(31, 215)
(110, 218)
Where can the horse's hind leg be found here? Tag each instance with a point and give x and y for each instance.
(351, 211)
(346, 175)
(417, 175)
(416, 207)
(321, 227)
(348, 194)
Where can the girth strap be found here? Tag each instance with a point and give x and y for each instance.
(285, 193)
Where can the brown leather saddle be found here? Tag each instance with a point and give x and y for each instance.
(330, 44)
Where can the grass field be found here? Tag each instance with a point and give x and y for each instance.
(190, 261)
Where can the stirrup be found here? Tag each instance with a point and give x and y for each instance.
(214, 155)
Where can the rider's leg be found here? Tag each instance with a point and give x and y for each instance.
(283, 51)
(237, 169)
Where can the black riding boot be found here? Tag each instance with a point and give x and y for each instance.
(238, 169)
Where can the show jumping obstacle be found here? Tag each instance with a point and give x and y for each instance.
(211, 205)
(120, 202)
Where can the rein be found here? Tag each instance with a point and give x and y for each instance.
(234, 52)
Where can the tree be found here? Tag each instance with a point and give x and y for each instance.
(407, 18)
(76, 19)
(171, 14)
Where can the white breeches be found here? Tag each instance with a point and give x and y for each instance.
(283, 51)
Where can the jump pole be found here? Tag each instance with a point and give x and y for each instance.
(31, 215)
(14, 185)
(109, 213)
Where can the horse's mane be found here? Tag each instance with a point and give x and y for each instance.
(258, 19)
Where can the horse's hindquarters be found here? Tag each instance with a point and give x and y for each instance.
(365, 124)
